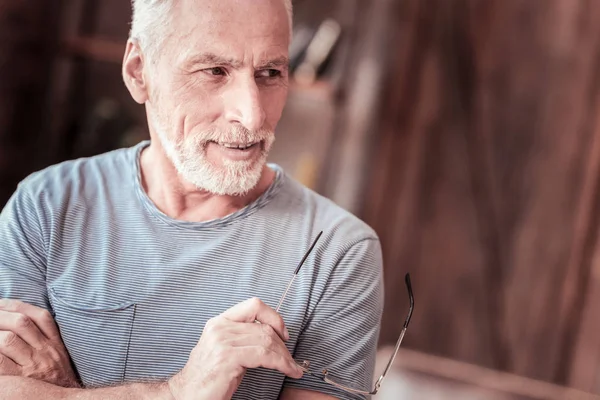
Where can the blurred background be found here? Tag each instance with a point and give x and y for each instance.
(465, 132)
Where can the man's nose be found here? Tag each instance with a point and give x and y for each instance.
(244, 105)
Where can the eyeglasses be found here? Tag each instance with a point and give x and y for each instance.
(325, 376)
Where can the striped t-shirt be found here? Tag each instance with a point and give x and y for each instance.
(131, 288)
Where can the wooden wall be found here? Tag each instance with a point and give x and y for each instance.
(486, 183)
(27, 44)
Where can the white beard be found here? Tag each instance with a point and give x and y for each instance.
(233, 178)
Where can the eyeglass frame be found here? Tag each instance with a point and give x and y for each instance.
(305, 365)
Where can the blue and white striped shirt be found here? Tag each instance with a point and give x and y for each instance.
(131, 288)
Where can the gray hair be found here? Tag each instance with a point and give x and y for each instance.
(152, 18)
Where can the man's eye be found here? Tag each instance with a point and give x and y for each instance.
(270, 73)
(216, 71)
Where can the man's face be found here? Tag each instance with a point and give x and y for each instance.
(218, 89)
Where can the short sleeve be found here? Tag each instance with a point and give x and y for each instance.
(342, 333)
(22, 252)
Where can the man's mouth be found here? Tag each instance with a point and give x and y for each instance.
(237, 146)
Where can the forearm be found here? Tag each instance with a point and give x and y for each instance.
(17, 388)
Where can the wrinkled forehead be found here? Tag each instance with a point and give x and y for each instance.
(232, 21)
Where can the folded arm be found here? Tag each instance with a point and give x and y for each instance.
(18, 388)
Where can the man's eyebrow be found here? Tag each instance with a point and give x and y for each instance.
(213, 59)
(278, 62)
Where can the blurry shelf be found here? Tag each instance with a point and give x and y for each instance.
(476, 376)
(93, 48)
(321, 90)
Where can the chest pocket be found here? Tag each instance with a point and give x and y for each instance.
(97, 338)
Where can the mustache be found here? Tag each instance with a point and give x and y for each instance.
(235, 135)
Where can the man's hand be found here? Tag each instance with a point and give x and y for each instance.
(31, 346)
(231, 343)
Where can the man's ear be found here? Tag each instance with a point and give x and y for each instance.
(133, 72)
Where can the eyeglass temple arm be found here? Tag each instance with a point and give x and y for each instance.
(287, 289)
(402, 333)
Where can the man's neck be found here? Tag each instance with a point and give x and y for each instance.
(183, 201)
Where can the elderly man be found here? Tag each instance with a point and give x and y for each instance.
(148, 262)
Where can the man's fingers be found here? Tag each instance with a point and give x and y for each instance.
(255, 310)
(256, 356)
(262, 335)
(40, 316)
(13, 347)
(9, 367)
(23, 326)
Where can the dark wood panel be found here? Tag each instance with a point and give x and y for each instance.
(584, 368)
(484, 186)
(27, 41)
